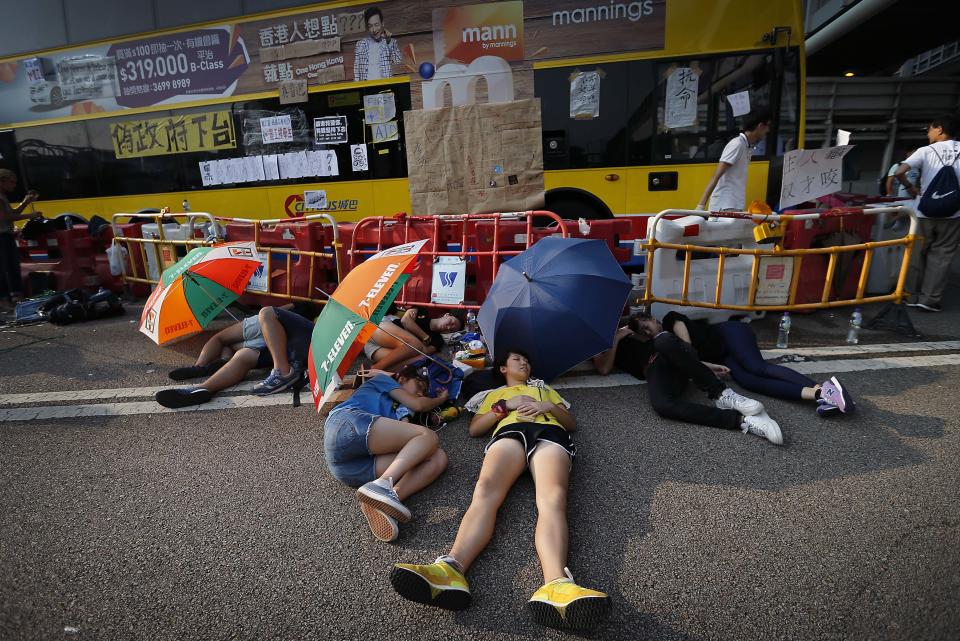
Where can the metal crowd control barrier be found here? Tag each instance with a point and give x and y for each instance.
(651, 245)
(157, 244)
(292, 255)
(464, 232)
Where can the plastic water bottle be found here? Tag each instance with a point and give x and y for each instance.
(783, 336)
(471, 325)
(584, 226)
(185, 204)
(856, 322)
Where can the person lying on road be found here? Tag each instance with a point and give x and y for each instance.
(367, 447)
(392, 345)
(531, 429)
(277, 337)
(644, 350)
(731, 348)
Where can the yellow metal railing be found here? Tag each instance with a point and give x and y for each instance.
(163, 250)
(652, 245)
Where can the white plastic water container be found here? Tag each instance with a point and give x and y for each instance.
(168, 254)
(668, 265)
(886, 261)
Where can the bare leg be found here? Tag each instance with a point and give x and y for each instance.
(219, 343)
(275, 338)
(394, 352)
(550, 467)
(503, 464)
(233, 372)
(419, 477)
(809, 393)
(411, 445)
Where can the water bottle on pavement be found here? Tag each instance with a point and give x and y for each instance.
(783, 336)
(856, 321)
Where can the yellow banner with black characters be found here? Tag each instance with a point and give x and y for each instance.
(173, 135)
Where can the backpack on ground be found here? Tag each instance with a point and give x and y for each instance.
(941, 198)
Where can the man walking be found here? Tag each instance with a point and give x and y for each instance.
(939, 225)
(727, 189)
(10, 283)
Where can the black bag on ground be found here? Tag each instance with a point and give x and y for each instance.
(75, 306)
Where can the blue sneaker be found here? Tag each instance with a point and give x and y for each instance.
(833, 393)
(381, 495)
(278, 382)
(825, 408)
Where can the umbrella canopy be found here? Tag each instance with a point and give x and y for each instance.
(352, 314)
(196, 288)
(559, 301)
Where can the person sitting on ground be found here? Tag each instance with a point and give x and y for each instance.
(531, 426)
(276, 337)
(644, 350)
(365, 446)
(398, 338)
(731, 348)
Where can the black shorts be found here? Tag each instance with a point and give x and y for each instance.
(532, 434)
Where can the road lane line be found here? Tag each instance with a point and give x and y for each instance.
(866, 364)
(836, 350)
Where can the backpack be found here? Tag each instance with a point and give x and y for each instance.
(941, 198)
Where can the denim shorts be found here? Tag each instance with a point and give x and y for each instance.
(345, 446)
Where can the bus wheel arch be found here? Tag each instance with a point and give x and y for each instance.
(571, 203)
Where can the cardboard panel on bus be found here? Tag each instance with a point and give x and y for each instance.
(476, 158)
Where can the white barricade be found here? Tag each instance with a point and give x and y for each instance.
(668, 265)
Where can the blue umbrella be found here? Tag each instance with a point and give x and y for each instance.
(559, 301)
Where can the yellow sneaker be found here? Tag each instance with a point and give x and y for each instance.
(438, 584)
(564, 604)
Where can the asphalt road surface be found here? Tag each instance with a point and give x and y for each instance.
(124, 522)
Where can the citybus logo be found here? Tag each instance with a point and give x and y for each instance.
(632, 11)
(295, 207)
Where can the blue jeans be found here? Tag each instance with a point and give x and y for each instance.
(345, 446)
(748, 368)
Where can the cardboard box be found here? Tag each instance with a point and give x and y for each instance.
(477, 158)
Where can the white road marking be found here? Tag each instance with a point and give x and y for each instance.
(49, 412)
(144, 407)
(836, 350)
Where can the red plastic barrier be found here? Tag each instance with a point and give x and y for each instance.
(307, 236)
(71, 256)
(825, 232)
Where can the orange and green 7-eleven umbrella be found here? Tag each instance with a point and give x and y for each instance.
(352, 314)
(194, 290)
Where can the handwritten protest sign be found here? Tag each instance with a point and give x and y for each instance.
(683, 87)
(811, 173)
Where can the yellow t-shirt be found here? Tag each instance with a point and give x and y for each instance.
(545, 393)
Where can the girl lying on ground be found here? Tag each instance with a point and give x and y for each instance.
(531, 426)
(365, 446)
(392, 345)
(731, 348)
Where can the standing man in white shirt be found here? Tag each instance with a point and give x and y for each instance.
(930, 264)
(376, 54)
(727, 189)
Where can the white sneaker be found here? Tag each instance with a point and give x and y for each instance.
(730, 400)
(763, 425)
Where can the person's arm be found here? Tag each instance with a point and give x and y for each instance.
(16, 213)
(418, 403)
(409, 322)
(395, 56)
(360, 61)
(680, 330)
(603, 362)
(889, 186)
(532, 409)
(722, 168)
(480, 424)
(901, 177)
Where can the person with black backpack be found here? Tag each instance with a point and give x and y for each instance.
(938, 212)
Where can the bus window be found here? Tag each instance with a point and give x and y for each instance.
(715, 125)
(59, 161)
(581, 144)
(642, 109)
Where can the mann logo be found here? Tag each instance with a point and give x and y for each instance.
(490, 34)
(447, 278)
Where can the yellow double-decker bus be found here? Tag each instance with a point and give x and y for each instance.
(270, 115)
